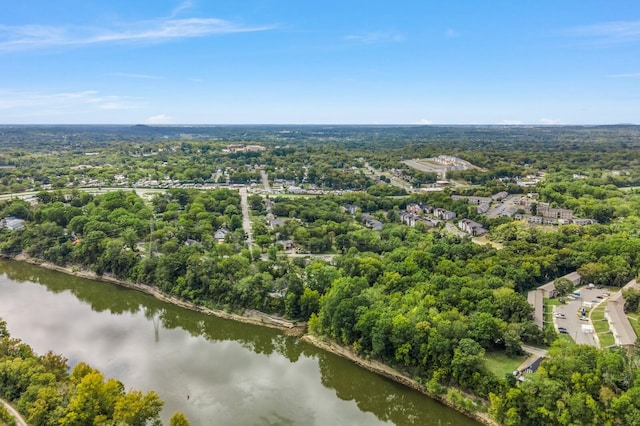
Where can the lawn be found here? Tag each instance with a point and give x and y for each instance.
(634, 320)
(597, 319)
(548, 311)
(567, 339)
(606, 340)
(501, 365)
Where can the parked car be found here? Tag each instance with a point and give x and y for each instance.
(562, 330)
(559, 315)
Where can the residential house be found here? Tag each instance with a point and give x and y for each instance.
(408, 218)
(482, 208)
(443, 214)
(372, 223)
(472, 228)
(411, 219)
(414, 208)
(350, 208)
(500, 196)
(622, 330)
(220, 234)
(472, 199)
(286, 244)
(582, 222)
(546, 211)
(12, 223)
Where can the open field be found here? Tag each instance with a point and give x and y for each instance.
(500, 364)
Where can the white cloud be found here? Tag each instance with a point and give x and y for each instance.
(628, 75)
(16, 38)
(606, 33)
(511, 122)
(185, 5)
(376, 37)
(63, 101)
(424, 121)
(549, 121)
(159, 119)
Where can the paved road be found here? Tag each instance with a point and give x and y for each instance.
(246, 220)
(18, 418)
(534, 351)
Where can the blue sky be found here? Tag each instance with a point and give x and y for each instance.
(312, 62)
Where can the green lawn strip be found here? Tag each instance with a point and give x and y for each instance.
(606, 340)
(567, 338)
(548, 311)
(634, 320)
(552, 302)
(500, 364)
(597, 319)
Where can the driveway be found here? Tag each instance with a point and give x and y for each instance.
(573, 312)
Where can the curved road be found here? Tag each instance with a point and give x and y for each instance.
(18, 418)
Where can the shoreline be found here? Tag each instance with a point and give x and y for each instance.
(391, 373)
(254, 317)
(250, 316)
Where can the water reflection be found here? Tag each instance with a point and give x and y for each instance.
(250, 375)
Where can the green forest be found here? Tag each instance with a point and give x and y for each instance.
(431, 303)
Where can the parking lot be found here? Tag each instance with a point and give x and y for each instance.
(573, 320)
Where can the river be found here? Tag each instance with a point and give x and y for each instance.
(215, 371)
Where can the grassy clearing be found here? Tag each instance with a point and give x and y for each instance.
(500, 364)
(484, 241)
